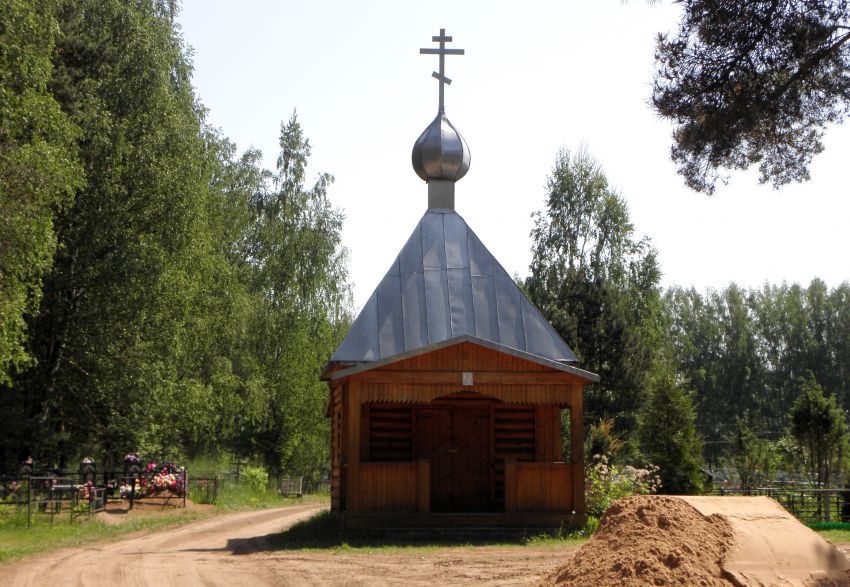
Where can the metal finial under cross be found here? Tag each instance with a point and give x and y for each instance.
(442, 39)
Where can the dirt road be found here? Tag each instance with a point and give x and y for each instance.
(228, 551)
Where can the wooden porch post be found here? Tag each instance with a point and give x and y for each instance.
(577, 446)
(423, 478)
(352, 440)
(510, 485)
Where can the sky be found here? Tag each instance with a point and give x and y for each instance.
(537, 76)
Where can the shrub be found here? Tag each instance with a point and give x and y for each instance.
(606, 483)
(668, 435)
(257, 478)
(601, 439)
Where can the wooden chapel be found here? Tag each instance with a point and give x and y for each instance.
(446, 395)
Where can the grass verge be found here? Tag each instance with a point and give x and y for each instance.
(835, 535)
(17, 541)
(833, 531)
(241, 497)
(321, 532)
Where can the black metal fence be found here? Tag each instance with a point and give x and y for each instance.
(286, 485)
(53, 495)
(203, 489)
(810, 506)
(49, 496)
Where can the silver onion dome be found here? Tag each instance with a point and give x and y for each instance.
(440, 152)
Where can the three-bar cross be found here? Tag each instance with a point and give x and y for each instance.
(442, 52)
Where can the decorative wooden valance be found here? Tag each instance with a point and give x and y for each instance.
(532, 394)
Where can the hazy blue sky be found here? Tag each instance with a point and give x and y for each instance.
(537, 76)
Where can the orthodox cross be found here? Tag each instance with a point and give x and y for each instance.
(442, 39)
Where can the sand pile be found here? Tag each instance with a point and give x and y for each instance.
(724, 541)
(650, 540)
(771, 546)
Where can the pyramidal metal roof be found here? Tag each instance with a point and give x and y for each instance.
(445, 284)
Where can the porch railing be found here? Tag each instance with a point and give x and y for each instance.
(398, 487)
(538, 487)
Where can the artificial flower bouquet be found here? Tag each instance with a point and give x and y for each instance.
(168, 477)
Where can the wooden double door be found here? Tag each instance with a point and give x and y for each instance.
(457, 442)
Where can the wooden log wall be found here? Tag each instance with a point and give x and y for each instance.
(351, 443)
(336, 444)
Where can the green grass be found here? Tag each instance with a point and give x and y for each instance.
(835, 535)
(321, 532)
(833, 531)
(578, 537)
(241, 497)
(204, 465)
(16, 540)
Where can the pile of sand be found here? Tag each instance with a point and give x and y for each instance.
(650, 540)
(705, 540)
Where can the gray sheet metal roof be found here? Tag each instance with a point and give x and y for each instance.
(445, 284)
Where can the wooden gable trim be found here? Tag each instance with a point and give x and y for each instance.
(467, 366)
(556, 395)
(479, 378)
(333, 373)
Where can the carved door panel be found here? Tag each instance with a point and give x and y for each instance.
(457, 443)
(471, 460)
(433, 442)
